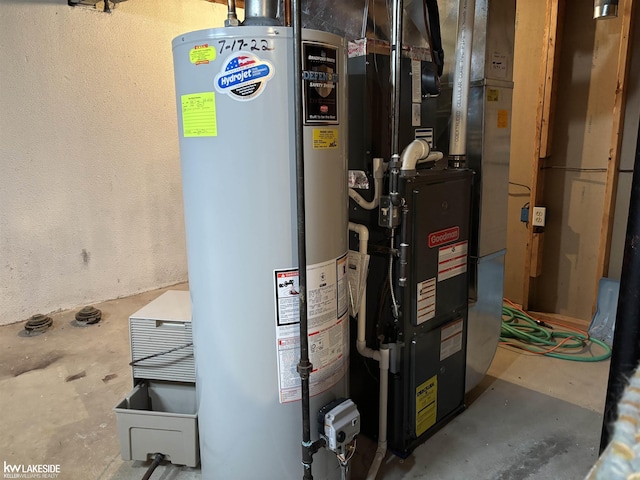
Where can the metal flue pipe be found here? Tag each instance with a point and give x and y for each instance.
(461, 81)
(261, 12)
(605, 9)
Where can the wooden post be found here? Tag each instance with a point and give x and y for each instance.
(613, 164)
(542, 145)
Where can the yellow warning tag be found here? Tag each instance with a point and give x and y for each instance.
(493, 95)
(325, 138)
(503, 118)
(426, 405)
(199, 115)
(202, 54)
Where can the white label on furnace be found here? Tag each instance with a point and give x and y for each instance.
(452, 260)
(328, 326)
(415, 115)
(416, 81)
(450, 339)
(426, 304)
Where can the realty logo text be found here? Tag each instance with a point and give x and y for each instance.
(31, 471)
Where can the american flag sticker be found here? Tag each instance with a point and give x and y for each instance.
(243, 76)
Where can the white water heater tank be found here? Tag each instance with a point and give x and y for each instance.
(234, 93)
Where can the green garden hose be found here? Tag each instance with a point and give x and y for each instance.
(521, 331)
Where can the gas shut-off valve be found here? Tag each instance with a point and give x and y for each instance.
(339, 424)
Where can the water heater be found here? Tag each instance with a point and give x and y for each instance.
(234, 94)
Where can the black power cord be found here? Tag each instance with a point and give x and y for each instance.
(157, 460)
(135, 362)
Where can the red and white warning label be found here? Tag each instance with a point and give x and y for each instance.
(426, 303)
(328, 324)
(452, 260)
(450, 339)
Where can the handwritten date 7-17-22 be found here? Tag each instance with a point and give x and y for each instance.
(252, 44)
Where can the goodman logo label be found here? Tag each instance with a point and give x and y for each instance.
(243, 76)
(444, 236)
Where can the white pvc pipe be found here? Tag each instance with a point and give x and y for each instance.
(381, 451)
(378, 173)
(382, 356)
(361, 343)
(462, 78)
(415, 151)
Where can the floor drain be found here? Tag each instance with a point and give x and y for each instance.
(37, 324)
(88, 316)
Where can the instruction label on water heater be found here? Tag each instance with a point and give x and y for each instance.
(199, 115)
(325, 138)
(202, 54)
(327, 318)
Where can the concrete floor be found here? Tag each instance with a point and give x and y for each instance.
(531, 418)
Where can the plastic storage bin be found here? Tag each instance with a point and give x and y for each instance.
(159, 417)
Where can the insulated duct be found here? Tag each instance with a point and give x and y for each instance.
(461, 80)
(261, 12)
(605, 9)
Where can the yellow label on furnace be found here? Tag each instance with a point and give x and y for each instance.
(325, 138)
(503, 118)
(199, 115)
(202, 54)
(426, 405)
(493, 95)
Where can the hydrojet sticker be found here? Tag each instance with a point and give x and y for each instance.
(243, 76)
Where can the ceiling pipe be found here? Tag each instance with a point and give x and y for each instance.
(603, 9)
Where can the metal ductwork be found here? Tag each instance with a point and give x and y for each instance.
(261, 12)
(605, 9)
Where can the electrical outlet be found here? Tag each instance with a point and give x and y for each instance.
(539, 216)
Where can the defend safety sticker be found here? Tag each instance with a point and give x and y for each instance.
(199, 115)
(202, 54)
(426, 405)
(243, 76)
(320, 76)
(325, 138)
